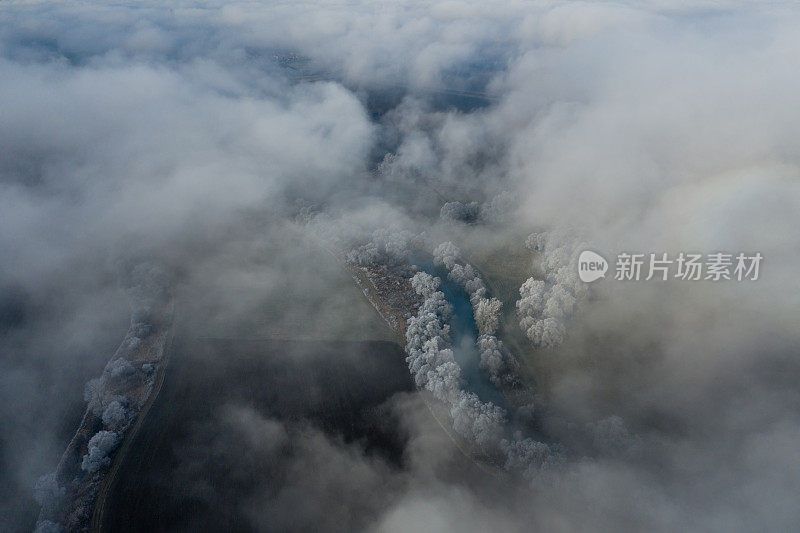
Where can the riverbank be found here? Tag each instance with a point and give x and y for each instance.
(142, 352)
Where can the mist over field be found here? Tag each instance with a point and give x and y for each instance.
(237, 145)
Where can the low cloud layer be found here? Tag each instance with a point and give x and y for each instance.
(213, 138)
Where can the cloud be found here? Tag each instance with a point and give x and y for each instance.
(195, 134)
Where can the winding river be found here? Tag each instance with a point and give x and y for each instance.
(464, 335)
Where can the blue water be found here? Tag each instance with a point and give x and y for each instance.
(464, 334)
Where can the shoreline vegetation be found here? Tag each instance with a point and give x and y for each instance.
(118, 401)
(388, 289)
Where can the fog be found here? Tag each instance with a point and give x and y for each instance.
(223, 140)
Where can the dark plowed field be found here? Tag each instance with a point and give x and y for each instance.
(176, 475)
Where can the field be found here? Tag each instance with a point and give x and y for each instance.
(336, 386)
(234, 350)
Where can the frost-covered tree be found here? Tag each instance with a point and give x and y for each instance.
(115, 415)
(477, 421)
(530, 456)
(495, 210)
(498, 208)
(487, 315)
(446, 254)
(98, 396)
(365, 255)
(96, 391)
(536, 241)
(545, 305)
(491, 355)
(93, 394)
(118, 369)
(389, 246)
(460, 212)
(532, 298)
(428, 334)
(424, 284)
(497, 361)
(445, 381)
(544, 333)
(100, 446)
